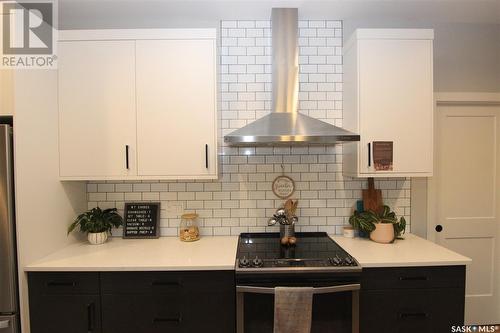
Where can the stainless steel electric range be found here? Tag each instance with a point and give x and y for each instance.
(315, 260)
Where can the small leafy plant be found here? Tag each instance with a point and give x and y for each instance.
(365, 221)
(97, 220)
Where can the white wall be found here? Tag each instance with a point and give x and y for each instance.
(467, 42)
(44, 205)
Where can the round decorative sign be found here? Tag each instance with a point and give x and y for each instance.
(283, 187)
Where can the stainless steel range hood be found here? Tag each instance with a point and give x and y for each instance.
(284, 125)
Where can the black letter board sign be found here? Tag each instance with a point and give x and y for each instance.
(141, 220)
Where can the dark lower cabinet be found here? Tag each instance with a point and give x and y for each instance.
(168, 302)
(66, 313)
(64, 302)
(392, 300)
(408, 300)
(141, 313)
(126, 302)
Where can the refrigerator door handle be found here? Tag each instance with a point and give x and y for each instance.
(8, 299)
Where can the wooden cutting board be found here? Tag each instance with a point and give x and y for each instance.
(372, 198)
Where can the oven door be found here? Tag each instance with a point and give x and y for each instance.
(335, 309)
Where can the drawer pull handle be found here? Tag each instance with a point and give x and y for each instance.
(61, 284)
(413, 278)
(90, 317)
(369, 154)
(165, 284)
(206, 156)
(126, 157)
(167, 320)
(406, 315)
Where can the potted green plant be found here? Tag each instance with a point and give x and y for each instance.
(383, 226)
(97, 223)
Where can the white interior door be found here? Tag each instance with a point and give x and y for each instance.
(176, 108)
(466, 188)
(96, 108)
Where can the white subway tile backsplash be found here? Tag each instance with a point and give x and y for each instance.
(246, 24)
(133, 196)
(236, 32)
(317, 24)
(242, 199)
(261, 24)
(228, 24)
(91, 187)
(105, 187)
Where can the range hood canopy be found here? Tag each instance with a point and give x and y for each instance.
(285, 125)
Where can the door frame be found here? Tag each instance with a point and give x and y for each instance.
(442, 99)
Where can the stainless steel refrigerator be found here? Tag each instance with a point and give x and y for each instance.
(9, 316)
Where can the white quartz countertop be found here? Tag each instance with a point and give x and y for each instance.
(162, 254)
(219, 253)
(411, 251)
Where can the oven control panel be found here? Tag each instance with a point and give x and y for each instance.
(337, 261)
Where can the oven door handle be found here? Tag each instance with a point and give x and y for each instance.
(242, 290)
(319, 290)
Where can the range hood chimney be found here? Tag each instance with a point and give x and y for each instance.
(285, 125)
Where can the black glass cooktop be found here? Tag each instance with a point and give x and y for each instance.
(313, 250)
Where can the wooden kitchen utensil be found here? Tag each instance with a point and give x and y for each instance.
(372, 198)
(290, 207)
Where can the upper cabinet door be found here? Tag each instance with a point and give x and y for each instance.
(388, 100)
(176, 108)
(396, 102)
(97, 109)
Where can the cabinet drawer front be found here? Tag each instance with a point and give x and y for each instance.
(141, 313)
(141, 282)
(63, 283)
(165, 282)
(413, 277)
(411, 310)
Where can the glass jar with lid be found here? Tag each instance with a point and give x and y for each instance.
(188, 230)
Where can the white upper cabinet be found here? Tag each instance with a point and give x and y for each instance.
(137, 104)
(176, 108)
(388, 100)
(96, 108)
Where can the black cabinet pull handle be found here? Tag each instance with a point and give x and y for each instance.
(206, 156)
(61, 284)
(167, 320)
(90, 317)
(369, 154)
(439, 228)
(165, 284)
(406, 315)
(126, 157)
(413, 278)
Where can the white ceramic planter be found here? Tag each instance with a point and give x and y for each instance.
(383, 233)
(97, 238)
